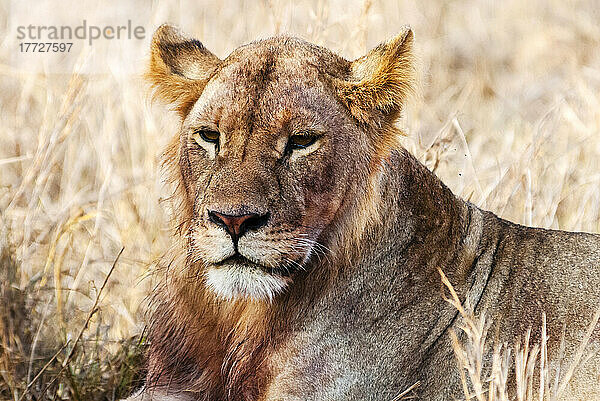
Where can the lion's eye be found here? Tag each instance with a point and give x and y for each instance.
(301, 141)
(205, 135)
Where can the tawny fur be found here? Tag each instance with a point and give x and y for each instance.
(357, 226)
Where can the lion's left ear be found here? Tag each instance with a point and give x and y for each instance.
(382, 80)
(179, 68)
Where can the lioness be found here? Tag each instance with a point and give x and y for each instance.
(308, 241)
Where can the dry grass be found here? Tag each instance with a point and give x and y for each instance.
(509, 118)
(532, 378)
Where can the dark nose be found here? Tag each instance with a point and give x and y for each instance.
(238, 225)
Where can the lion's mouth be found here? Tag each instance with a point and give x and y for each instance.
(235, 259)
(238, 276)
(238, 260)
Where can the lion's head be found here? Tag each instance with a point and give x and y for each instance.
(279, 147)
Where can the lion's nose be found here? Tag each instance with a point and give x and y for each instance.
(238, 225)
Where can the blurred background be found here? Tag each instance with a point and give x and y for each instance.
(508, 115)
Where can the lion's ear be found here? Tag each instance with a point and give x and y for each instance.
(381, 81)
(179, 68)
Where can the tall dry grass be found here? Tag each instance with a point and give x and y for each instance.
(495, 371)
(509, 118)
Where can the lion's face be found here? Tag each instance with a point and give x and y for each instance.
(266, 151)
(268, 154)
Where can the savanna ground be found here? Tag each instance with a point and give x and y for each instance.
(508, 116)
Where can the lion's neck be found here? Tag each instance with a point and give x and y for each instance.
(422, 226)
(410, 207)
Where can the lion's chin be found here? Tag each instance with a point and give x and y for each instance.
(236, 280)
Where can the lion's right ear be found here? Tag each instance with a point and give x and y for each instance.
(179, 68)
(382, 80)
